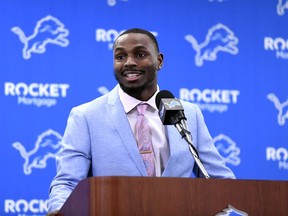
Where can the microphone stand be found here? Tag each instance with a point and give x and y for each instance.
(185, 133)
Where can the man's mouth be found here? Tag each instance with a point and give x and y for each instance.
(132, 74)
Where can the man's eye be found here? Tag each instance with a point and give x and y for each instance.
(140, 55)
(119, 57)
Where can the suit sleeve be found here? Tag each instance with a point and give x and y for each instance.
(73, 161)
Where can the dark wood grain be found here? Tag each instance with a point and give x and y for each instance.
(124, 196)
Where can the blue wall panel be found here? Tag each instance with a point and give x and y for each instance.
(228, 56)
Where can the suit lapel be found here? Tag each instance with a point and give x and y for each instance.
(119, 119)
(176, 147)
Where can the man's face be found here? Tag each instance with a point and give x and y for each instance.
(136, 62)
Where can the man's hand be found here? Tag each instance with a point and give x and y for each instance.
(53, 213)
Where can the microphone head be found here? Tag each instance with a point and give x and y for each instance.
(163, 94)
(170, 108)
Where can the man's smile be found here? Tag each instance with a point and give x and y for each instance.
(132, 75)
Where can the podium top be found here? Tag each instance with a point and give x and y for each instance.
(175, 196)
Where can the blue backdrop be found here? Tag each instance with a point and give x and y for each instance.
(228, 56)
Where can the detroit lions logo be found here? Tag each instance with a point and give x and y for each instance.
(219, 38)
(282, 6)
(228, 149)
(46, 146)
(173, 103)
(49, 30)
(231, 211)
(281, 107)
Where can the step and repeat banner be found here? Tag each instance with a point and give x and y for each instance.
(228, 56)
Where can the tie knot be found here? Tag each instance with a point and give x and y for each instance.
(141, 108)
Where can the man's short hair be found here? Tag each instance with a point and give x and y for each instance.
(141, 31)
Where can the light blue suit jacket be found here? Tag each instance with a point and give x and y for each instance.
(98, 138)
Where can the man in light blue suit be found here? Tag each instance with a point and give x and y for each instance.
(100, 135)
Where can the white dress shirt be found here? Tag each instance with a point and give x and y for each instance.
(159, 141)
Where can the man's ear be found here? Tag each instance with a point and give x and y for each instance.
(160, 60)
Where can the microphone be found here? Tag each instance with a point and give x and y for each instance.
(171, 112)
(170, 109)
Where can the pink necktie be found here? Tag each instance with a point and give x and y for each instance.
(144, 140)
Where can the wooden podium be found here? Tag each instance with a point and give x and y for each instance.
(125, 196)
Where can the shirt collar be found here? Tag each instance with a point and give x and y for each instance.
(130, 103)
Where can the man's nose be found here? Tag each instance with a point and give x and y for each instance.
(130, 62)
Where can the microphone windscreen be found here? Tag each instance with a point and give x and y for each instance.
(162, 94)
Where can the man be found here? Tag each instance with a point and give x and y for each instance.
(101, 137)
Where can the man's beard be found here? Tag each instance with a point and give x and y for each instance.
(133, 91)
